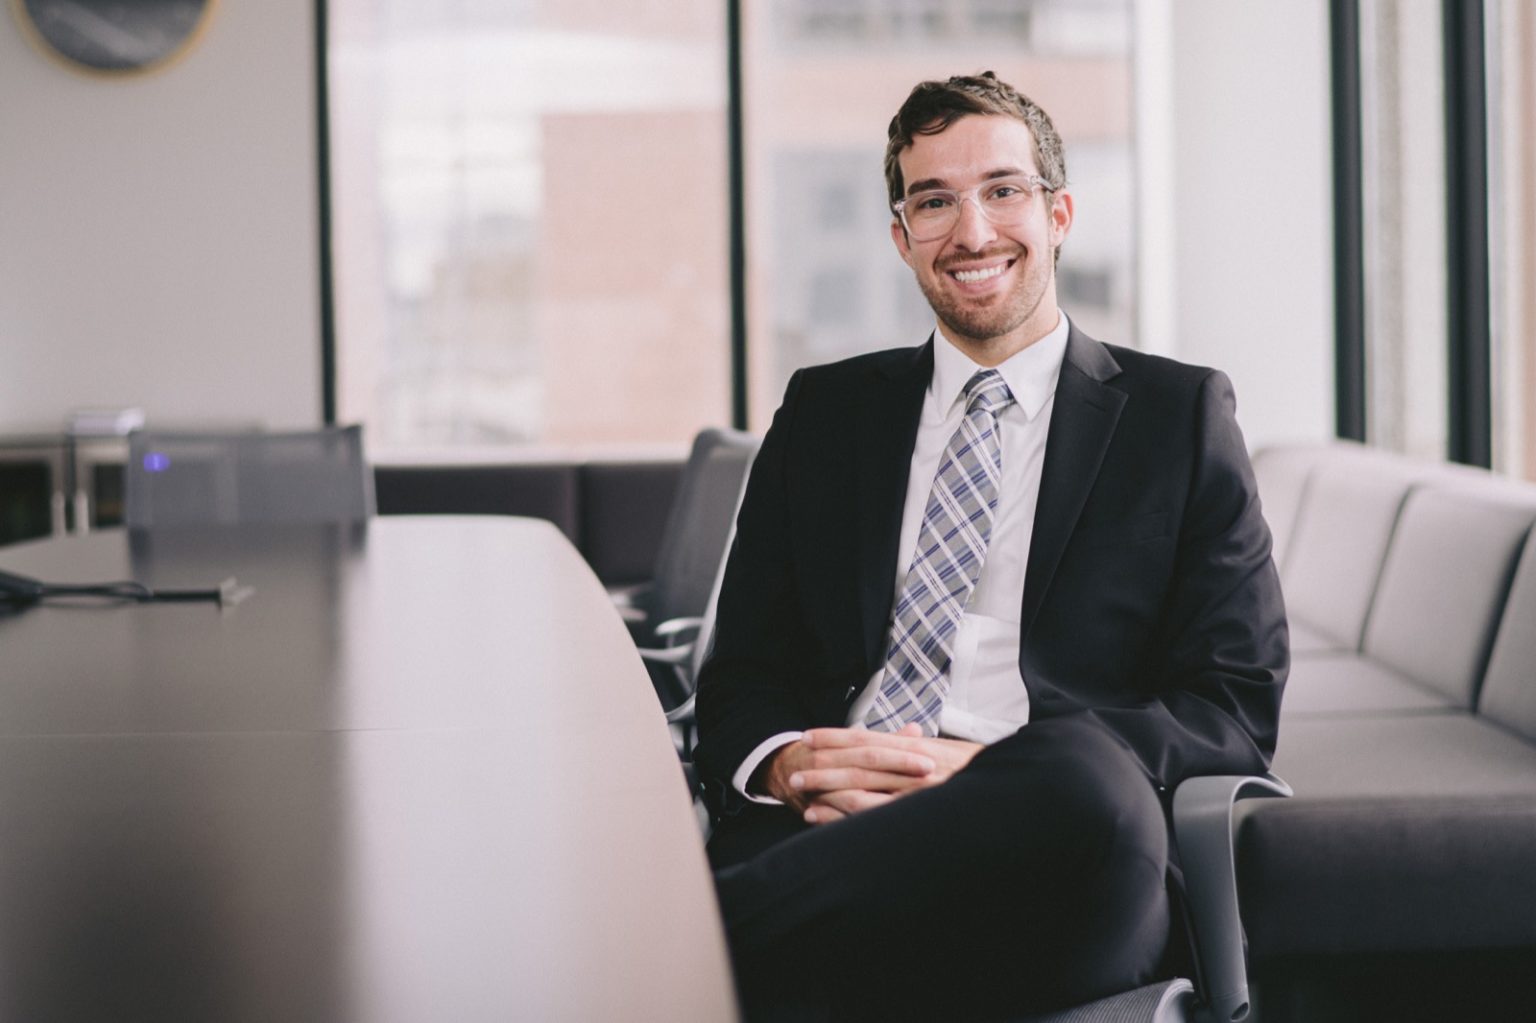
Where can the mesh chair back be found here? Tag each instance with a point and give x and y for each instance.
(704, 641)
(229, 478)
(700, 525)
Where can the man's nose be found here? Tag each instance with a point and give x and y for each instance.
(973, 231)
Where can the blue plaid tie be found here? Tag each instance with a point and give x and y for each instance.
(951, 545)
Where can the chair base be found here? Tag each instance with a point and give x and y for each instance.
(1172, 1001)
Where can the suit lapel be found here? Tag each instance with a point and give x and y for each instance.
(1082, 422)
(888, 413)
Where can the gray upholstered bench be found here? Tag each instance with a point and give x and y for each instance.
(1408, 729)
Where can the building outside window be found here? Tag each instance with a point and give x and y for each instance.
(530, 228)
(821, 81)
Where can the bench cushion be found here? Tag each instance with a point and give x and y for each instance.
(1334, 684)
(1408, 832)
(1309, 642)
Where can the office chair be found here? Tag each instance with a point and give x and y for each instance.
(667, 612)
(701, 516)
(248, 477)
(1202, 830)
(685, 643)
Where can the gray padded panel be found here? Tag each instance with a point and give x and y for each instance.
(541, 491)
(1343, 684)
(1282, 475)
(624, 510)
(1308, 642)
(1444, 581)
(1410, 832)
(1388, 876)
(1341, 537)
(1509, 686)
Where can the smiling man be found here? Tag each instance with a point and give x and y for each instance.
(990, 600)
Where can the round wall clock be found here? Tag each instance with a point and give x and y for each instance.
(113, 37)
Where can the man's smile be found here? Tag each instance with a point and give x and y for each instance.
(974, 276)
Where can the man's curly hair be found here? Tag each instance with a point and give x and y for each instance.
(934, 106)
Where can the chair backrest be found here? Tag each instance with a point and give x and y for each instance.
(1509, 686)
(1444, 582)
(699, 527)
(705, 640)
(1340, 538)
(1283, 474)
(228, 478)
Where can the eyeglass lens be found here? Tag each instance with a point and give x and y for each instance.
(934, 213)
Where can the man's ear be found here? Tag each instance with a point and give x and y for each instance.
(1061, 217)
(903, 243)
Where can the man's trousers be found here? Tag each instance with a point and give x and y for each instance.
(1032, 879)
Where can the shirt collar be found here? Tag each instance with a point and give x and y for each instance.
(1031, 374)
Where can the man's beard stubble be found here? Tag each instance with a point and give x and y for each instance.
(980, 324)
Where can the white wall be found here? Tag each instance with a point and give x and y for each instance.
(1237, 203)
(158, 234)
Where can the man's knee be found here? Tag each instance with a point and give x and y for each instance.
(1072, 782)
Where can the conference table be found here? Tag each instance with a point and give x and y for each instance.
(417, 773)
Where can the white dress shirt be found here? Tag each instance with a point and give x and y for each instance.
(986, 699)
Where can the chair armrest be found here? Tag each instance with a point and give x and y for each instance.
(682, 713)
(625, 596)
(667, 655)
(626, 601)
(673, 653)
(1202, 827)
(674, 626)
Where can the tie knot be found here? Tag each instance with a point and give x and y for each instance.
(987, 390)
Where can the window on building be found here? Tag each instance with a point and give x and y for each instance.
(530, 227)
(821, 81)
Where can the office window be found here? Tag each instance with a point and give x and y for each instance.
(1403, 156)
(1511, 50)
(530, 221)
(821, 81)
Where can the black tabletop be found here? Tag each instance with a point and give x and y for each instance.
(419, 773)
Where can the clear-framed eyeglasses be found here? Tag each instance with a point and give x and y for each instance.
(932, 214)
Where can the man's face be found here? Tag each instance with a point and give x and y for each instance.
(1013, 303)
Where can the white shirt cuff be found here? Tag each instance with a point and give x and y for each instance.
(755, 759)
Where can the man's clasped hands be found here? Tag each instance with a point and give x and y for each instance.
(829, 773)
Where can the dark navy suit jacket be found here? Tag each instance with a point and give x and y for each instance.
(1151, 604)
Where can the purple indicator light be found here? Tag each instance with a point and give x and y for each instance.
(157, 461)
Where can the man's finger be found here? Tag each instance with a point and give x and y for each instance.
(863, 738)
(835, 778)
(871, 758)
(832, 805)
(822, 815)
